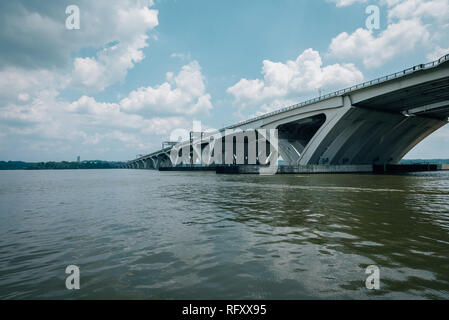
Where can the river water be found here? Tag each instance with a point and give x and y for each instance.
(137, 234)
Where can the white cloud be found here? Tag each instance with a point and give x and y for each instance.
(17, 83)
(376, 50)
(110, 116)
(284, 83)
(406, 9)
(37, 40)
(33, 116)
(437, 53)
(107, 122)
(412, 24)
(48, 121)
(136, 123)
(110, 65)
(113, 62)
(183, 94)
(36, 36)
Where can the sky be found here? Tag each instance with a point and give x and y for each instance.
(137, 70)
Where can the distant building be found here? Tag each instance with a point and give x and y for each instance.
(78, 159)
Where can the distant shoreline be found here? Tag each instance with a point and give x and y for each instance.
(424, 161)
(63, 165)
(100, 164)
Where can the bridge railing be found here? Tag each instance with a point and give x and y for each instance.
(164, 150)
(346, 90)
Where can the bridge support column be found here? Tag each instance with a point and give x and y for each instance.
(288, 152)
(322, 138)
(152, 163)
(164, 161)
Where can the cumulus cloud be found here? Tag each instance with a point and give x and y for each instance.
(18, 82)
(31, 36)
(112, 63)
(110, 115)
(34, 37)
(134, 121)
(412, 24)
(376, 50)
(406, 9)
(49, 121)
(37, 117)
(285, 83)
(42, 59)
(183, 94)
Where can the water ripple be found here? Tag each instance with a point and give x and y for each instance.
(151, 235)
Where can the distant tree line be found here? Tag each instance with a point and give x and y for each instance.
(64, 165)
(425, 161)
(99, 164)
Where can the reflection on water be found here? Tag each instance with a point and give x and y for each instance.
(151, 235)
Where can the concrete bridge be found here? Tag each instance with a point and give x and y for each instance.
(376, 122)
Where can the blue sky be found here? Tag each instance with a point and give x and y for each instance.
(136, 71)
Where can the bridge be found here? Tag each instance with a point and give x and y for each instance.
(374, 123)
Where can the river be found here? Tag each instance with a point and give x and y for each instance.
(138, 234)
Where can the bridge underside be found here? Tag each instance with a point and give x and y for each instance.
(361, 136)
(377, 130)
(365, 136)
(430, 99)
